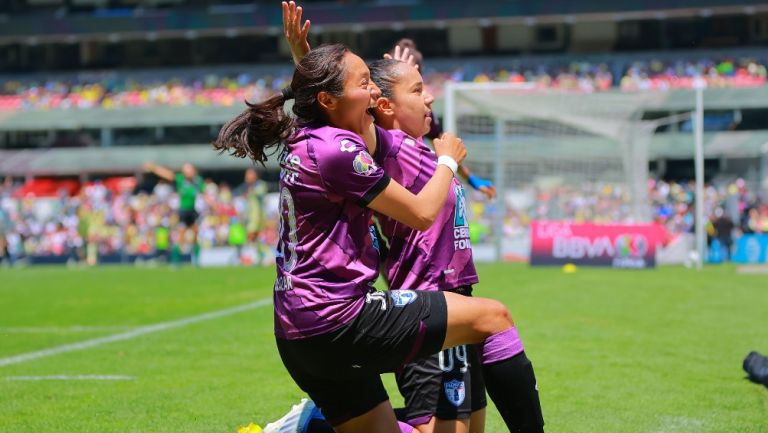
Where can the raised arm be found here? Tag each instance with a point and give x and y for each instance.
(160, 171)
(420, 211)
(295, 33)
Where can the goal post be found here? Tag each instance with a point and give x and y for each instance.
(551, 155)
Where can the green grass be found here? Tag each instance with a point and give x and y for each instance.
(614, 351)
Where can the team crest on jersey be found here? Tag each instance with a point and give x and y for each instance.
(363, 163)
(455, 391)
(401, 298)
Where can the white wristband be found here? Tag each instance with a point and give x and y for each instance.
(448, 162)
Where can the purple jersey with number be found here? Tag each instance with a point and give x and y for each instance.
(439, 258)
(327, 261)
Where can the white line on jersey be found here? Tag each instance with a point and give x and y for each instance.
(138, 332)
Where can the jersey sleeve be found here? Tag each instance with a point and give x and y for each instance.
(348, 170)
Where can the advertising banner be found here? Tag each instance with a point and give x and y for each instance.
(614, 245)
(752, 249)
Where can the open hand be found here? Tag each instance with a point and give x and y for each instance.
(295, 32)
(403, 55)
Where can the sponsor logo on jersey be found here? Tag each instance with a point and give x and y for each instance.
(363, 163)
(346, 147)
(460, 226)
(401, 298)
(455, 391)
(460, 218)
(374, 238)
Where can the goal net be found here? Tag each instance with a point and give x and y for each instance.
(552, 155)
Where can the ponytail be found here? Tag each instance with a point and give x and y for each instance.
(258, 128)
(265, 125)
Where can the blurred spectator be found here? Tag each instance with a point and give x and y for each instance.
(253, 190)
(723, 226)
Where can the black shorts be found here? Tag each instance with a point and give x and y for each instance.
(448, 385)
(341, 370)
(188, 217)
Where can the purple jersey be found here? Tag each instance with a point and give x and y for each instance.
(439, 258)
(326, 260)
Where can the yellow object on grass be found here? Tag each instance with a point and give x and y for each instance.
(569, 268)
(250, 428)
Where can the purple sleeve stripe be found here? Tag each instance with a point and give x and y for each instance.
(374, 192)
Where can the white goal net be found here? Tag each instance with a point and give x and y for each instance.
(552, 155)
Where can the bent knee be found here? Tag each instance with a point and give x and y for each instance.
(496, 318)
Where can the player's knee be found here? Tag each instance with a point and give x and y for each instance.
(496, 318)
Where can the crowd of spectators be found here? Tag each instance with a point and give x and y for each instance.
(99, 221)
(209, 90)
(671, 205)
(212, 89)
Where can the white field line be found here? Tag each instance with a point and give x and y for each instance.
(66, 377)
(138, 332)
(61, 329)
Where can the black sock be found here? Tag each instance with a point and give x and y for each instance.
(511, 385)
(317, 425)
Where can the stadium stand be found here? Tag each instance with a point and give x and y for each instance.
(64, 217)
(228, 88)
(92, 89)
(74, 220)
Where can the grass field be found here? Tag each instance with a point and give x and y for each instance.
(615, 351)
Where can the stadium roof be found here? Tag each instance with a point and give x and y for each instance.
(259, 18)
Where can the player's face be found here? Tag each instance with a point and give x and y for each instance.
(412, 103)
(354, 109)
(188, 170)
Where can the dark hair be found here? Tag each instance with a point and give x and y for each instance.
(266, 124)
(385, 74)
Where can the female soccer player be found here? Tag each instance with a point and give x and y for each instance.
(443, 390)
(334, 332)
(438, 259)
